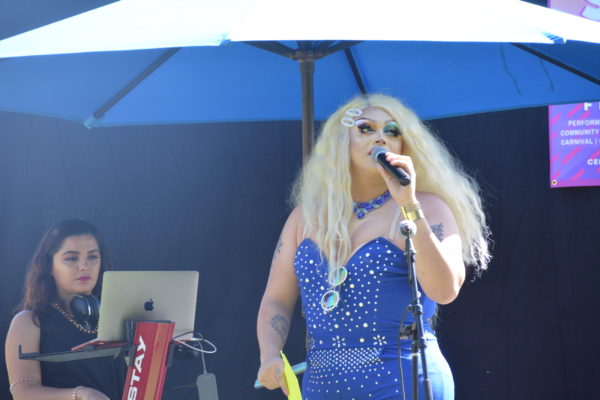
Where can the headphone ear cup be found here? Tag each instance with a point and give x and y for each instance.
(85, 310)
(95, 307)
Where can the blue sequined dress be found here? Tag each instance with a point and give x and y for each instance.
(353, 349)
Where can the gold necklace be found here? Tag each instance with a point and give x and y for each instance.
(73, 322)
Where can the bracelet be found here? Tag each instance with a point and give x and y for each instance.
(75, 395)
(412, 212)
(22, 380)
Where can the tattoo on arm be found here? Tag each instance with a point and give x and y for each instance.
(277, 250)
(438, 231)
(280, 325)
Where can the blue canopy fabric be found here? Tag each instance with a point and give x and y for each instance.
(455, 64)
(237, 82)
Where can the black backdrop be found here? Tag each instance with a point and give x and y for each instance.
(213, 198)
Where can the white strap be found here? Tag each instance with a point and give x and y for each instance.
(394, 224)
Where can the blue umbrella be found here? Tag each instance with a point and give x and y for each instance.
(238, 81)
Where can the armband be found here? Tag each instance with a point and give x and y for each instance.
(412, 212)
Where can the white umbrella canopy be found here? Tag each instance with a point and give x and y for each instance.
(147, 24)
(439, 21)
(407, 49)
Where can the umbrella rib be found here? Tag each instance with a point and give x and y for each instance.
(342, 45)
(558, 63)
(273, 47)
(355, 71)
(99, 113)
(324, 45)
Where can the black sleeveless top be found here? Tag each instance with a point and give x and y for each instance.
(57, 334)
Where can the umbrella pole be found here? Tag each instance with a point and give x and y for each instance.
(306, 54)
(307, 69)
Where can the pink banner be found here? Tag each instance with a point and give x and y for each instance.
(574, 145)
(584, 8)
(574, 128)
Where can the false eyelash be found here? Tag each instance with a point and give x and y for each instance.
(363, 128)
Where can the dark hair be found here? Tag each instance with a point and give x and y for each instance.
(40, 288)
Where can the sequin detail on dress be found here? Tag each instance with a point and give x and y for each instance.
(353, 349)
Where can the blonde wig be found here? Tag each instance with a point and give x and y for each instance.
(323, 188)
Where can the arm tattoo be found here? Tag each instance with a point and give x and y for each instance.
(277, 250)
(438, 231)
(281, 325)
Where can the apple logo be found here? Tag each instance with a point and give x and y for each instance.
(149, 305)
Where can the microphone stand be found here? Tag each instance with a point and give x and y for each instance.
(417, 333)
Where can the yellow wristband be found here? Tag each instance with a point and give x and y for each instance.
(412, 212)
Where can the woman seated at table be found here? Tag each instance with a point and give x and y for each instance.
(66, 269)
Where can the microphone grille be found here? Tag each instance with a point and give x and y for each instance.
(407, 228)
(376, 151)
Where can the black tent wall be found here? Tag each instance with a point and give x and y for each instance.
(214, 197)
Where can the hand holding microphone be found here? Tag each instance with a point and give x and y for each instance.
(378, 154)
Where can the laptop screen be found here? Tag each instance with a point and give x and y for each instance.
(147, 296)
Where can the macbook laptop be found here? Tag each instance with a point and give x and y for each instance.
(147, 296)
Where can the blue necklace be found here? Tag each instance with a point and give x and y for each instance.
(362, 208)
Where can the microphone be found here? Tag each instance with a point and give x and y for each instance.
(407, 228)
(378, 154)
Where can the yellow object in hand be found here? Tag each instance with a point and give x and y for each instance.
(291, 380)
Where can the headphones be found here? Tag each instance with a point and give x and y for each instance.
(85, 310)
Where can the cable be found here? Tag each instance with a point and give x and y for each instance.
(184, 333)
(201, 349)
(196, 339)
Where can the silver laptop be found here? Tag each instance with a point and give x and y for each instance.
(147, 296)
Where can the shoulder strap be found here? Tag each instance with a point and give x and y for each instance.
(394, 224)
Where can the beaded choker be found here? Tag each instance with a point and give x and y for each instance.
(362, 208)
(85, 329)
